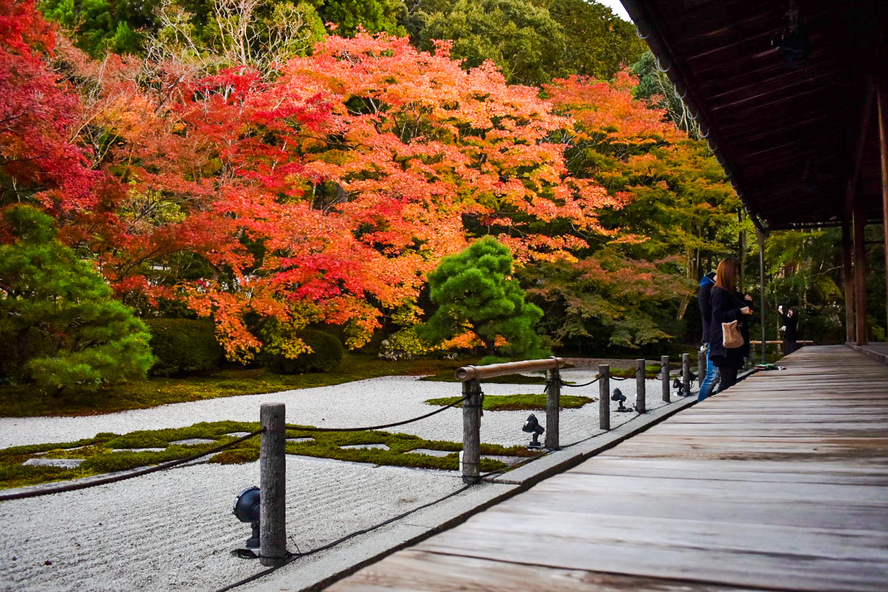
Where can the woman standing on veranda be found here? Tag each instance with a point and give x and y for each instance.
(727, 305)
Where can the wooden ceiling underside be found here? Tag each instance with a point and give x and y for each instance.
(792, 136)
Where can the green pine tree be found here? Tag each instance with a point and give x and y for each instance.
(58, 318)
(474, 291)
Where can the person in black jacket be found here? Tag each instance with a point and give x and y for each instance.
(790, 322)
(727, 305)
(704, 300)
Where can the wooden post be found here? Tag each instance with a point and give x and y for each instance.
(553, 406)
(604, 413)
(848, 282)
(640, 402)
(860, 309)
(470, 460)
(882, 107)
(762, 314)
(664, 376)
(273, 485)
(686, 373)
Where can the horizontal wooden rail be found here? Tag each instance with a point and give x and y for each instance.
(481, 372)
(779, 342)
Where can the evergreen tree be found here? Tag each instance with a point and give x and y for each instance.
(475, 292)
(61, 326)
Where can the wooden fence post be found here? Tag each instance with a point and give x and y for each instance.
(273, 485)
(553, 408)
(686, 373)
(640, 392)
(664, 376)
(604, 415)
(470, 459)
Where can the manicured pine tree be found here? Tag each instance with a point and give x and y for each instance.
(475, 292)
(58, 318)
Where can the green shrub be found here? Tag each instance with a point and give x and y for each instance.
(183, 346)
(325, 356)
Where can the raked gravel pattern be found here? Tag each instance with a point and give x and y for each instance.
(174, 530)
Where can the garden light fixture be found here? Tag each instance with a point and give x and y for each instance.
(532, 426)
(246, 508)
(620, 398)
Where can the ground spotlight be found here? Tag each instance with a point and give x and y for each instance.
(532, 426)
(677, 384)
(620, 398)
(247, 509)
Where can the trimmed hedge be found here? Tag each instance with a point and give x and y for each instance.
(326, 355)
(183, 346)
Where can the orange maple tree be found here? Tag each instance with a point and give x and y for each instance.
(324, 194)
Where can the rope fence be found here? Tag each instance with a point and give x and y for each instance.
(272, 542)
(131, 475)
(376, 427)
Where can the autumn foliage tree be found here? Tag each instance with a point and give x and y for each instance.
(321, 190)
(632, 291)
(323, 194)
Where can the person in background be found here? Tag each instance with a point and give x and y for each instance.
(790, 323)
(727, 305)
(703, 299)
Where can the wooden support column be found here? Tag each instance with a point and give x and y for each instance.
(848, 282)
(273, 485)
(882, 107)
(470, 460)
(604, 414)
(855, 282)
(762, 236)
(553, 407)
(860, 312)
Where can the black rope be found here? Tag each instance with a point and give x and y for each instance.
(113, 479)
(294, 556)
(580, 385)
(377, 427)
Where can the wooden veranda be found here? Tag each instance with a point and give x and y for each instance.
(780, 483)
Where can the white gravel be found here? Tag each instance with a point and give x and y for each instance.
(174, 530)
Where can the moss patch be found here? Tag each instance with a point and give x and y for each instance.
(109, 452)
(649, 372)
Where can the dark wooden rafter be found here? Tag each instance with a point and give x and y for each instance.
(769, 122)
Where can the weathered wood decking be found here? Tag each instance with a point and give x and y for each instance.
(780, 483)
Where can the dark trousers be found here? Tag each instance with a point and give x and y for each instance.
(728, 377)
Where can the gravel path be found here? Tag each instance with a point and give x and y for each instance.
(174, 530)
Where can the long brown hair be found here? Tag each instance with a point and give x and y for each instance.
(727, 275)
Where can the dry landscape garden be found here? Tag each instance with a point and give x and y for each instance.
(214, 198)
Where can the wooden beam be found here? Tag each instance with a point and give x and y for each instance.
(860, 273)
(882, 108)
(848, 282)
(858, 153)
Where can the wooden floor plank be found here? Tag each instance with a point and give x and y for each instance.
(780, 483)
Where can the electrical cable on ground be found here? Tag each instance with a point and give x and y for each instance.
(115, 478)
